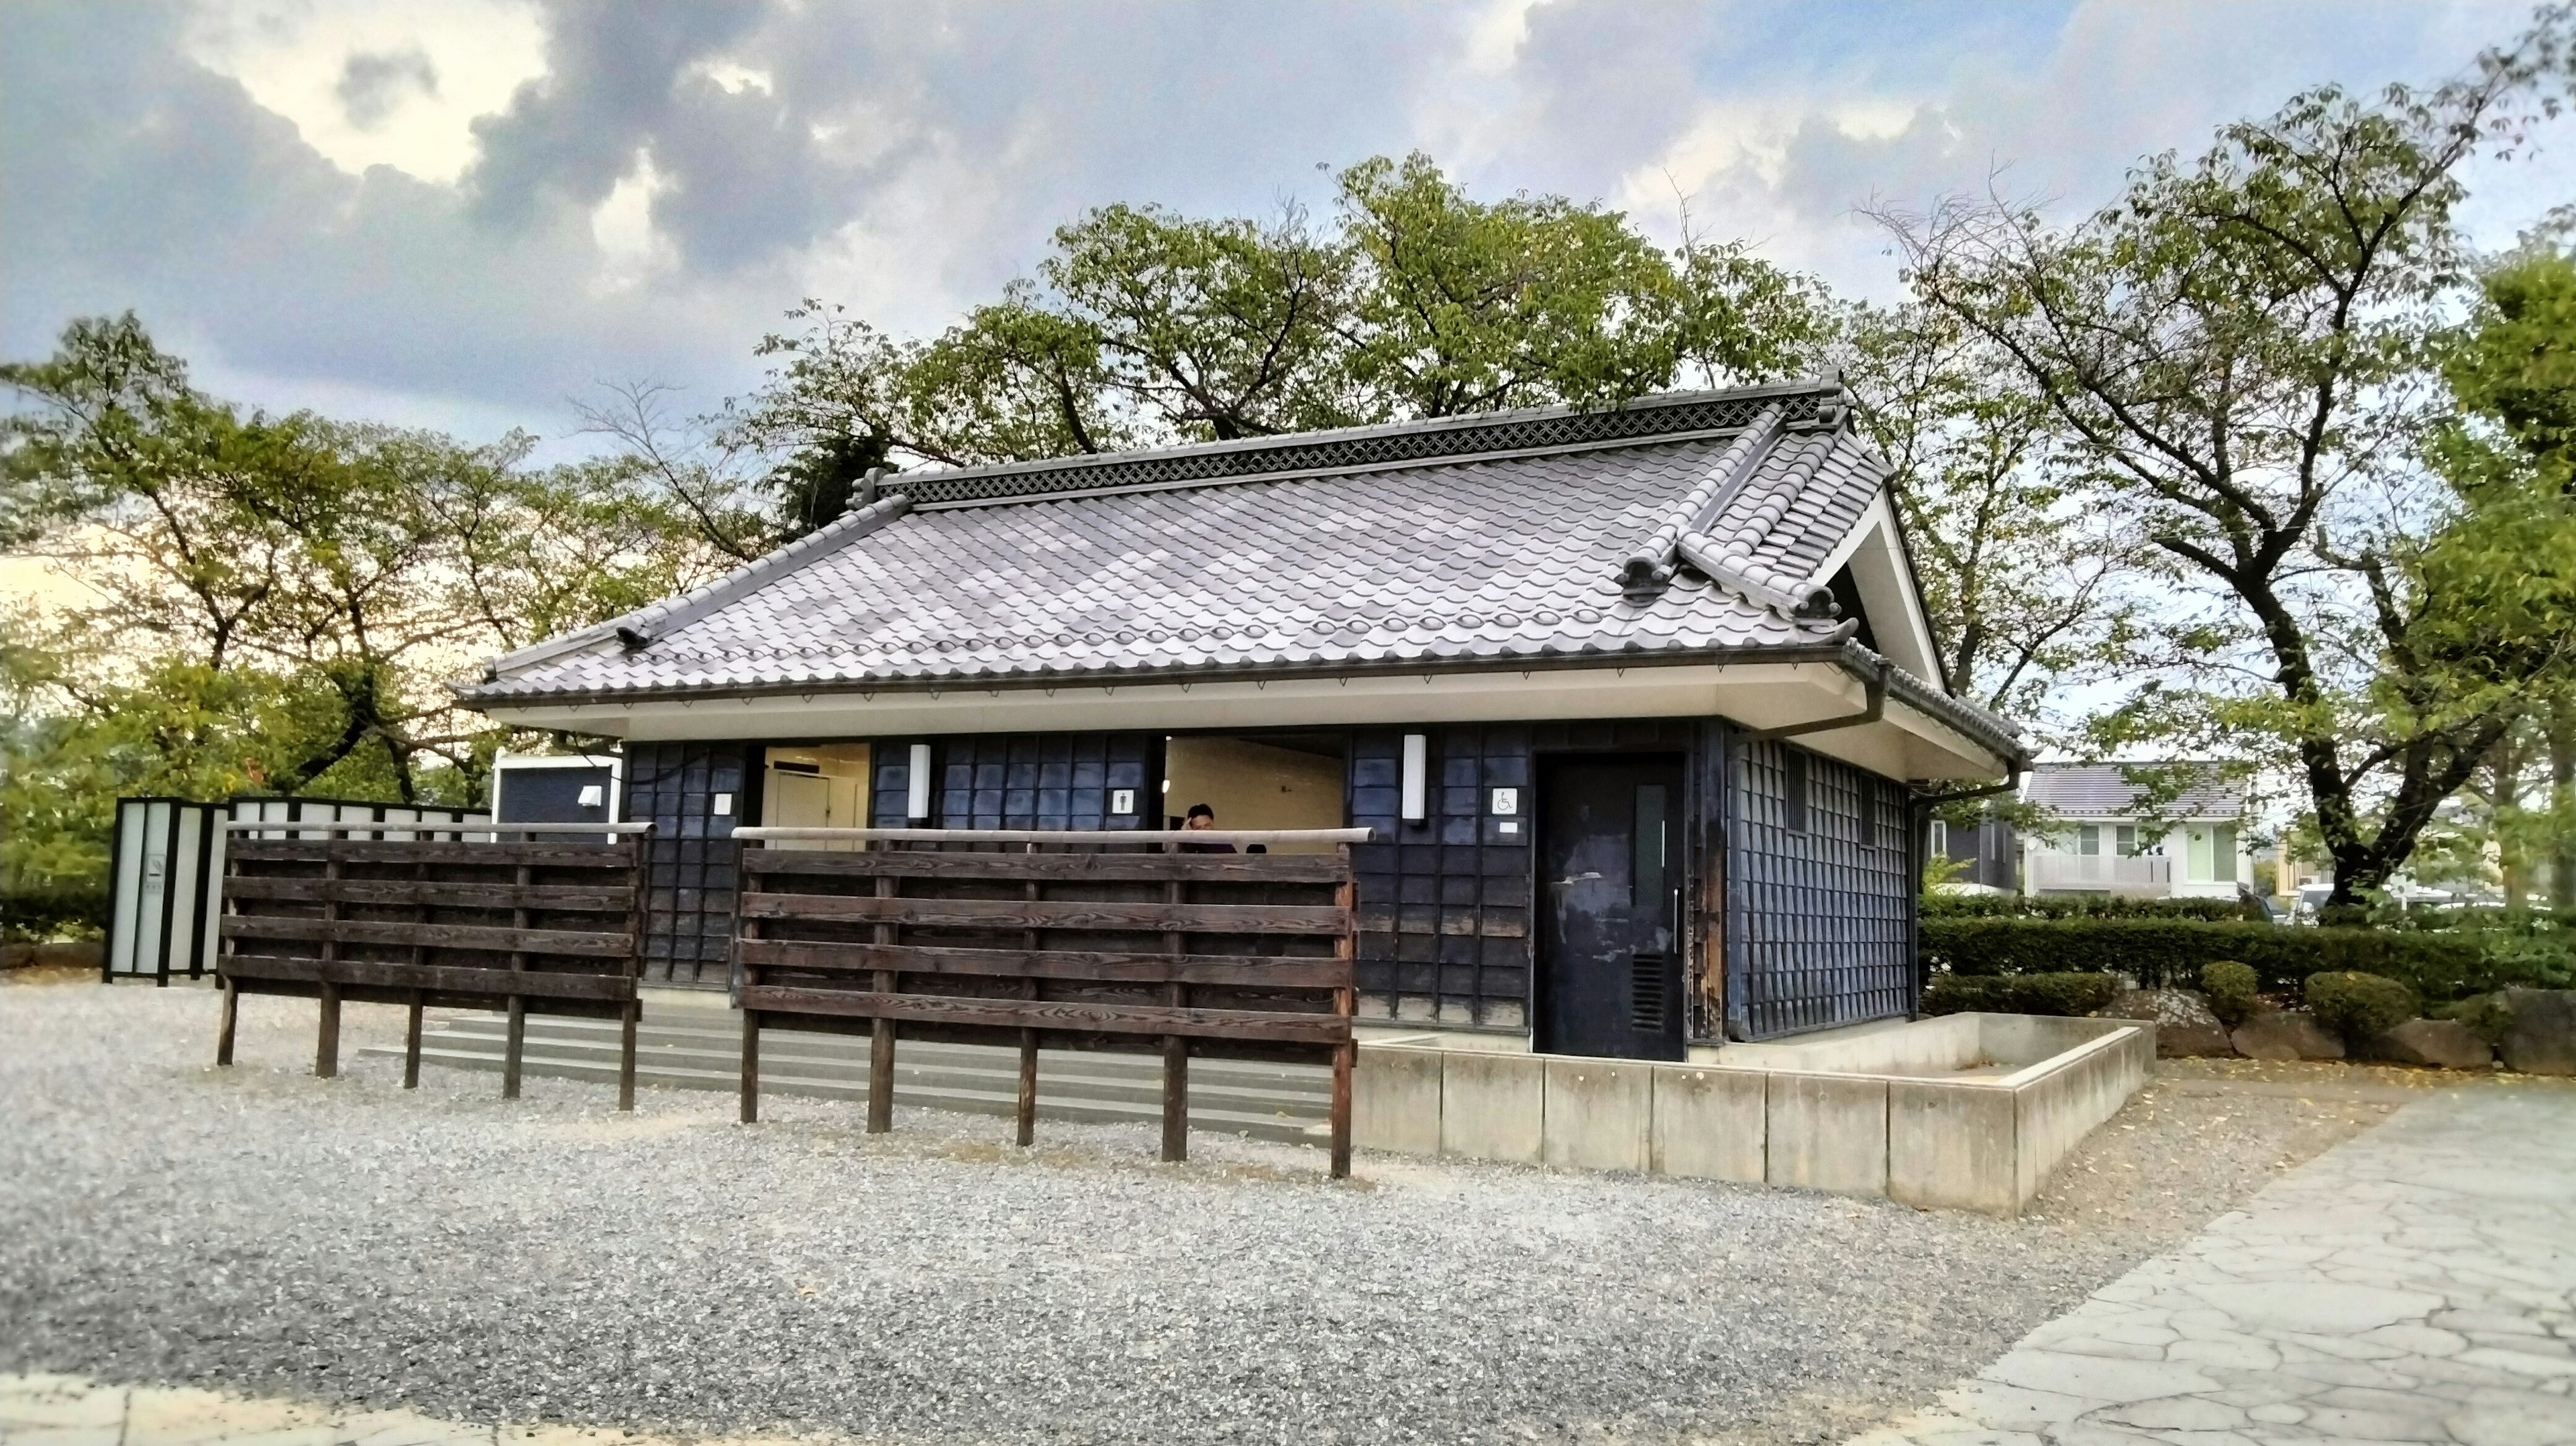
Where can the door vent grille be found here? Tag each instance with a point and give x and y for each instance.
(1646, 1004)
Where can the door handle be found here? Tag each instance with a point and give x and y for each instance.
(1572, 879)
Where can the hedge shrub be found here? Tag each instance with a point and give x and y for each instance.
(33, 916)
(2082, 906)
(2487, 1016)
(2231, 988)
(2360, 1006)
(2170, 953)
(2068, 994)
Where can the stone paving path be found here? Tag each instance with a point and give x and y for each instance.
(50, 1410)
(2415, 1284)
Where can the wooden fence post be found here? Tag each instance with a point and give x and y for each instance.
(881, 1036)
(224, 1028)
(326, 1047)
(411, 1044)
(1027, 1133)
(1345, 1054)
(1176, 1047)
(749, 927)
(633, 1012)
(419, 956)
(517, 1043)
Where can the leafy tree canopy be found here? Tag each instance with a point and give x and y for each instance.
(2242, 350)
(273, 603)
(1144, 327)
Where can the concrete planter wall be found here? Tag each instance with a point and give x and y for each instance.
(1967, 1112)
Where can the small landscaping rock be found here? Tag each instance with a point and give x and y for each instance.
(2184, 1026)
(2440, 1043)
(2486, 1015)
(2286, 1034)
(83, 955)
(2542, 1037)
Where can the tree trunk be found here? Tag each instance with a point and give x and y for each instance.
(2562, 804)
(2505, 802)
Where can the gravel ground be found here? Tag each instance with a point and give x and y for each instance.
(548, 1259)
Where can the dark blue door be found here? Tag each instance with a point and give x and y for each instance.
(1610, 891)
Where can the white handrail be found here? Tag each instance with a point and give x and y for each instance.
(1058, 835)
(422, 825)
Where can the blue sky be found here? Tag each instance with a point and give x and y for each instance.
(464, 215)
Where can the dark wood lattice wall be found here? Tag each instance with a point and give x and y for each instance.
(1024, 780)
(1445, 928)
(1818, 922)
(1820, 885)
(690, 857)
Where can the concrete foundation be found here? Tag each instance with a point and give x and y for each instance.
(1598, 1114)
(1492, 1106)
(1709, 1124)
(1967, 1112)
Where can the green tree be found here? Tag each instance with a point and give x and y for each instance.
(2030, 591)
(1143, 327)
(2241, 347)
(274, 603)
(2504, 569)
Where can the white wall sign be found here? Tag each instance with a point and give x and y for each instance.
(1507, 800)
(1122, 800)
(724, 805)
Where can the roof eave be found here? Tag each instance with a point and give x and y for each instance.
(1980, 728)
(479, 696)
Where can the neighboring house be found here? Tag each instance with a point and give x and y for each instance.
(1983, 856)
(1634, 699)
(2104, 843)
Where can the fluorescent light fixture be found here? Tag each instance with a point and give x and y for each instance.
(1417, 777)
(916, 792)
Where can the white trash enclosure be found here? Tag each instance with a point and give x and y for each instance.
(1968, 1111)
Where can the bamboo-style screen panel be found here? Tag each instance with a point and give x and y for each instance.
(545, 921)
(1083, 940)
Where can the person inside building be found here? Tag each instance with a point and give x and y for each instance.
(1203, 817)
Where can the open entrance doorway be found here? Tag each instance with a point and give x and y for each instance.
(816, 785)
(1610, 899)
(1275, 780)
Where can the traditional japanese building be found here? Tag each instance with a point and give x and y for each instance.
(1637, 701)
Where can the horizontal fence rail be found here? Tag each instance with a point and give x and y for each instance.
(477, 918)
(949, 836)
(1007, 935)
(474, 831)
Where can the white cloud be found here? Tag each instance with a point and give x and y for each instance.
(678, 177)
(631, 252)
(292, 56)
(1495, 37)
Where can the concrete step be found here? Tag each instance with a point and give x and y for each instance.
(701, 1049)
(932, 1067)
(724, 1031)
(832, 1055)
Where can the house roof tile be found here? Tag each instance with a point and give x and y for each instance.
(1192, 561)
(2104, 790)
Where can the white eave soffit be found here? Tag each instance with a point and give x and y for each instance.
(1874, 552)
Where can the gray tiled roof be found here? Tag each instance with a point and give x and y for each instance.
(2103, 790)
(1495, 556)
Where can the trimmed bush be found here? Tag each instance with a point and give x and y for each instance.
(2487, 1016)
(2067, 994)
(2231, 988)
(33, 916)
(2169, 953)
(2082, 906)
(2360, 1006)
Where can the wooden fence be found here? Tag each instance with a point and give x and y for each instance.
(1085, 940)
(547, 922)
